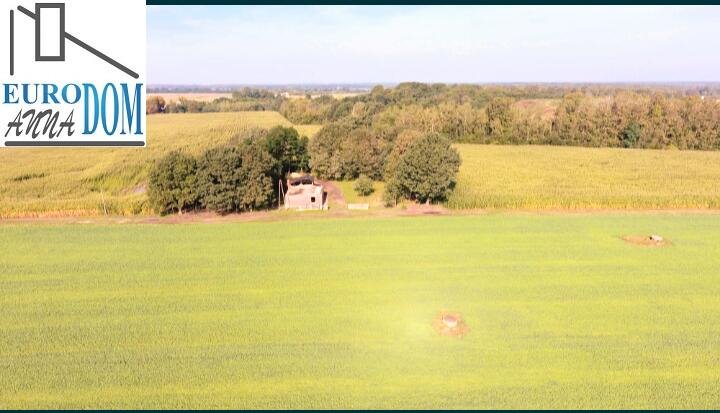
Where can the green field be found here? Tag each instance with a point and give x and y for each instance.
(338, 313)
(95, 181)
(543, 177)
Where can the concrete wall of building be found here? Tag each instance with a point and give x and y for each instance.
(305, 197)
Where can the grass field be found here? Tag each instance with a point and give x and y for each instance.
(544, 177)
(338, 313)
(91, 181)
(374, 200)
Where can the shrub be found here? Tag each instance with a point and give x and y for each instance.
(426, 172)
(233, 179)
(171, 186)
(154, 104)
(364, 186)
(630, 135)
(392, 193)
(139, 207)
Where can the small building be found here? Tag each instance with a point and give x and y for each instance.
(303, 193)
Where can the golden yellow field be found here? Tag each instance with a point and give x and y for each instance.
(549, 177)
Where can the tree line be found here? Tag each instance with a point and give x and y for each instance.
(645, 116)
(242, 175)
(637, 119)
(246, 173)
(246, 99)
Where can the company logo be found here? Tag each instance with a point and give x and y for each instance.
(75, 75)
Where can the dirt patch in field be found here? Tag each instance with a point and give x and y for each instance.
(646, 240)
(206, 217)
(449, 323)
(425, 209)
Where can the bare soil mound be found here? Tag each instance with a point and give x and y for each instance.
(646, 240)
(449, 323)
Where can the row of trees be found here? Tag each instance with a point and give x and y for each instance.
(630, 120)
(579, 115)
(230, 178)
(246, 99)
(623, 120)
(245, 176)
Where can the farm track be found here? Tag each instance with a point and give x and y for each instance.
(275, 216)
(335, 194)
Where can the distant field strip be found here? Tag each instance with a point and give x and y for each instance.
(548, 177)
(319, 314)
(92, 181)
(201, 97)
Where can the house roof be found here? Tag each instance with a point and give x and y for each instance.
(303, 179)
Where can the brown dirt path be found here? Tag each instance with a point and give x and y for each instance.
(337, 212)
(335, 195)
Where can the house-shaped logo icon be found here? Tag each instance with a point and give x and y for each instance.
(51, 37)
(74, 78)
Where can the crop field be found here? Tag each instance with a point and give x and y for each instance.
(560, 313)
(202, 97)
(95, 181)
(548, 177)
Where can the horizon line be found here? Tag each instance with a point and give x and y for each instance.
(589, 82)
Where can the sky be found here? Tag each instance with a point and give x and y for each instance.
(207, 45)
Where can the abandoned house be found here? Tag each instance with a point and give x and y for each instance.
(304, 193)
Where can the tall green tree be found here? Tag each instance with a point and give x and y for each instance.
(325, 151)
(236, 178)
(427, 171)
(289, 150)
(172, 183)
(499, 117)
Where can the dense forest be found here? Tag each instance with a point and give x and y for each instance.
(632, 116)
